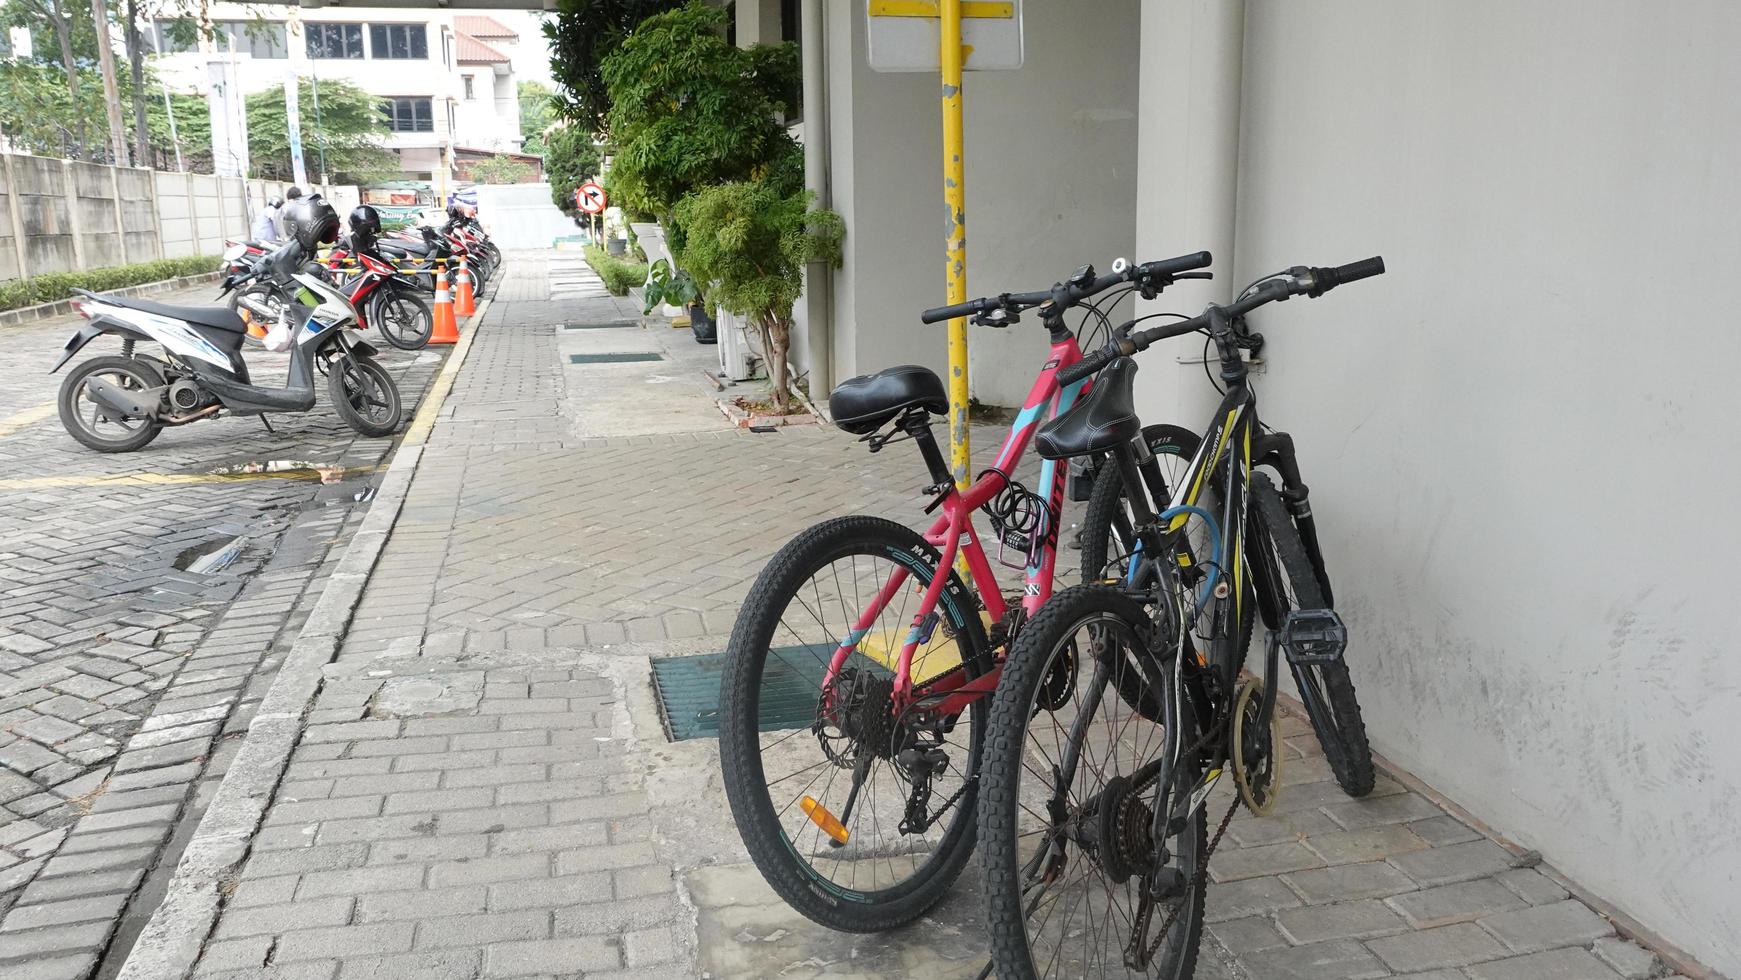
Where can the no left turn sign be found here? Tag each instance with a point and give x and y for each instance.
(590, 197)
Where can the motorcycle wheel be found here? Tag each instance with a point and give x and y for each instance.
(84, 419)
(402, 319)
(364, 395)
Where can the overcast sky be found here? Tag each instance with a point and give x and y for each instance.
(532, 55)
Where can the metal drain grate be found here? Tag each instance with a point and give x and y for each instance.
(612, 358)
(687, 689)
(612, 325)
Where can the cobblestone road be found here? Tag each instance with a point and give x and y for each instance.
(127, 667)
(483, 788)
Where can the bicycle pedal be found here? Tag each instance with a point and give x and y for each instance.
(1313, 637)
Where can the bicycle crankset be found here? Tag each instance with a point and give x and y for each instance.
(1257, 749)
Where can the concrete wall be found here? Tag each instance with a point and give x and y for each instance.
(1051, 174)
(76, 216)
(1520, 441)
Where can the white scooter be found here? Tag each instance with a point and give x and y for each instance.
(118, 404)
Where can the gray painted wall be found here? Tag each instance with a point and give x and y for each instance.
(1051, 174)
(1521, 441)
(89, 216)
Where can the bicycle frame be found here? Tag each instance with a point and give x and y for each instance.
(953, 534)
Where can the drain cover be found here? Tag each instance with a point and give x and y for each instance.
(612, 358)
(612, 325)
(688, 691)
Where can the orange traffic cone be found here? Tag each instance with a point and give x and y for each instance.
(464, 303)
(446, 327)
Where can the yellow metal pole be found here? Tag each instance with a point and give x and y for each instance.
(955, 197)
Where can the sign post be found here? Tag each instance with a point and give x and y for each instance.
(590, 199)
(901, 39)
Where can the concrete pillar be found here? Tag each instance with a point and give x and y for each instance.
(72, 207)
(758, 22)
(120, 223)
(1188, 155)
(156, 219)
(818, 277)
(16, 215)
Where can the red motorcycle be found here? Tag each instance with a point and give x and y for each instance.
(385, 298)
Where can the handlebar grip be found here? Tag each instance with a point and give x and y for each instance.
(1087, 367)
(950, 312)
(1324, 280)
(1174, 266)
(1364, 269)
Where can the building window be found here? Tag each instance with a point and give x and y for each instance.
(262, 40)
(468, 88)
(789, 29)
(409, 115)
(335, 40)
(400, 41)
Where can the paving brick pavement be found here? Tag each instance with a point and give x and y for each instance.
(127, 676)
(483, 788)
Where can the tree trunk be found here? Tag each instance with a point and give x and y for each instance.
(776, 333)
(136, 61)
(111, 88)
(64, 34)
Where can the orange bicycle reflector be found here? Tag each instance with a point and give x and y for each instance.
(820, 816)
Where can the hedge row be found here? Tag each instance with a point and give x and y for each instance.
(620, 275)
(53, 286)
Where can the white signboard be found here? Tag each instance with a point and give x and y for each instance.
(905, 35)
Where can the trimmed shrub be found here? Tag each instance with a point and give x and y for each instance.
(53, 286)
(620, 275)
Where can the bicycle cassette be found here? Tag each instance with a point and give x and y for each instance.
(1257, 750)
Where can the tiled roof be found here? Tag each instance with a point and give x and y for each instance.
(484, 27)
(471, 51)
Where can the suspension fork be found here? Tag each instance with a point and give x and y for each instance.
(1277, 450)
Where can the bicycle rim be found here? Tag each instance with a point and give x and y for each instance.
(817, 738)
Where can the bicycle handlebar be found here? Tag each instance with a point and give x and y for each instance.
(1310, 281)
(1158, 275)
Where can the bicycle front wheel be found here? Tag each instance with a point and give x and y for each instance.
(859, 814)
(1076, 884)
(1326, 690)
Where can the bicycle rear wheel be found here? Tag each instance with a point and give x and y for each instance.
(859, 817)
(1326, 690)
(1069, 856)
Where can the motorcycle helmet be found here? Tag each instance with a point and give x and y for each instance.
(275, 201)
(312, 223)
(365, 221)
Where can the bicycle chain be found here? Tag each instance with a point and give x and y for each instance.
(1197, 882)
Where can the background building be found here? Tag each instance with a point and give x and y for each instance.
(446, 81)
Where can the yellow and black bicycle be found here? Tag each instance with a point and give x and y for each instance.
(1124, 703)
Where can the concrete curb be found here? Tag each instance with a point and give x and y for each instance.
(61, 307)
(171, 941)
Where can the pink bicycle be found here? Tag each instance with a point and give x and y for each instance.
(855, 691)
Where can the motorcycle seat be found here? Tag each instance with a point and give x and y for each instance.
(216, 317)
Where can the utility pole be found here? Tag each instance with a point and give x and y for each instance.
(111, 90)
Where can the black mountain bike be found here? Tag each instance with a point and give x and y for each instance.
(1123, 704)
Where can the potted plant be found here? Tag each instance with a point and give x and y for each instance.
(666, 287)
(749, 242)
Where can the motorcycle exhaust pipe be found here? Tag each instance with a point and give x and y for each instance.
(138, 404)
(258, 308)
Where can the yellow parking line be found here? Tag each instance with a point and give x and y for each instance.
(323, 475)
(29, 416)
(418, 431)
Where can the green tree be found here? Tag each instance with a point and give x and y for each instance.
(500, 169)
(537, 112)
(689, 110)
(352, 131)
(570, 159)
(581, 35)
(749, 241)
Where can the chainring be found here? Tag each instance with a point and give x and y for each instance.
(1257, 755)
